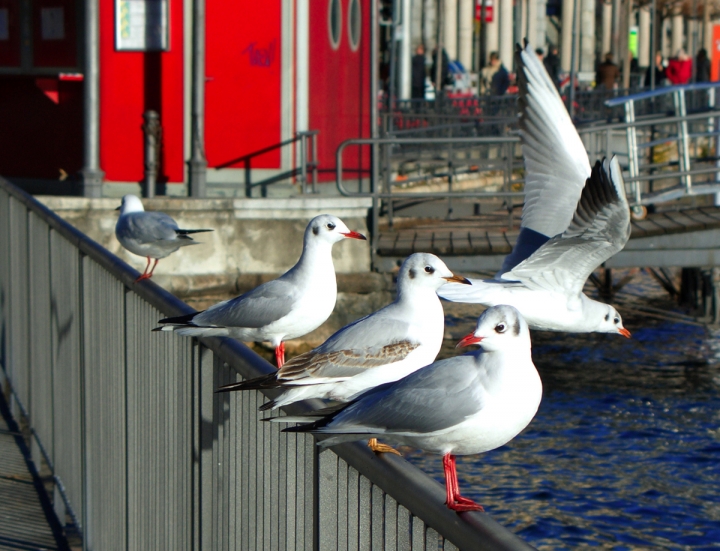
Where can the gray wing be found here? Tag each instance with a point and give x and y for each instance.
(263, 305)
(148, 227)
(433, 398)
(556, 162)
(599, 229)
(369, 342)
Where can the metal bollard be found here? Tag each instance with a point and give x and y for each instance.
(153, 132)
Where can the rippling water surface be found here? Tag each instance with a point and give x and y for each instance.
(624, 452)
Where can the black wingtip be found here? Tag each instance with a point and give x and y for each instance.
(181, 320)
(186, 232)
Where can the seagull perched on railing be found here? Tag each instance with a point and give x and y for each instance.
(459, 406)
(149, 234)
(288, 307)
(385, 346)
(573, 220)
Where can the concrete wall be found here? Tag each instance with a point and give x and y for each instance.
(252, 236)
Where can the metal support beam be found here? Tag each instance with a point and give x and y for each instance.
(198, 163)
(91, 174)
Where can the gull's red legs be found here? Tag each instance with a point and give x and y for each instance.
(453, 499)
(280, 355)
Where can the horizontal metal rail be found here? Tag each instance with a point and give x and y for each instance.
(144, 453)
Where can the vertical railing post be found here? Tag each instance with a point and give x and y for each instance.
(303, 162)
(314, 162)
(683, 143)
(248, 178)
(152, 130)
(631, 137)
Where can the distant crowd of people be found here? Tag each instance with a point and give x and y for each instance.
(495, 79)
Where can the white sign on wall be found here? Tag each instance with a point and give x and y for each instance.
(141, 25)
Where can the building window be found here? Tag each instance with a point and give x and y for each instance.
(354, 24)
(335, 23)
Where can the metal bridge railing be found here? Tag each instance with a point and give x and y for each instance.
(144, 454)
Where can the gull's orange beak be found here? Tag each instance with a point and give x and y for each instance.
(457, 279)
(467, 340)
(624, 332)
(354, 235)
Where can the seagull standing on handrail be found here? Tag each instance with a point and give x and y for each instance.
(573, 220)
(285, 308)
(149, 234)
(464, 405)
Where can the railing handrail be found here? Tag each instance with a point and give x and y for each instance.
(415, 490)
(621, 100)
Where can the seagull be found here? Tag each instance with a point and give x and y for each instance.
(288, 307)
(464, 405)
(150, 234)
(573, 220)
(385, 346)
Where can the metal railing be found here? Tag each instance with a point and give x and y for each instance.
(307, 164)
(144, 454)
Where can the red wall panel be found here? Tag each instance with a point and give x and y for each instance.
(130, 84)
(339, 89)
(242, 92)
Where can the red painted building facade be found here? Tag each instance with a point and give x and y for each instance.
(272, 68)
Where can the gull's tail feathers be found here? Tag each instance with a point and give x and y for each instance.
(187, 232)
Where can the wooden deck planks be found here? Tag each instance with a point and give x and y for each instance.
(470, 238)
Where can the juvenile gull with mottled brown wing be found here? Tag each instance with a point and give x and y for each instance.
(382, 347)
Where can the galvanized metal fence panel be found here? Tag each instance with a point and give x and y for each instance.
(19, 328)
(41, 403)
(68, 393)
(105, 408)
(143, 451)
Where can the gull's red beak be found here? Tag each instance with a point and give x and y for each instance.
(624, 332)
(354, 235)
(467, 340)
(457, 279)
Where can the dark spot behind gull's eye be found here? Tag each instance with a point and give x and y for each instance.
(607, 317)
(516, 328)
(411, 274)
(316, 230)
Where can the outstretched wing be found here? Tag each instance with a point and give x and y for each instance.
(556, 163)
(599, 229)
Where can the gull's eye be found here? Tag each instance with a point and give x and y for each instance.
(330, 226)
(500, 328)
(616, 320)
(430, 269)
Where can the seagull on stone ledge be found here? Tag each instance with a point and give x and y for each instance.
(288, 307)
(574, 219)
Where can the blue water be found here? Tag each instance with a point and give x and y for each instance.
(624, 452)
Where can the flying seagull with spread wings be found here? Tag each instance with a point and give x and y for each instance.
(575, 218)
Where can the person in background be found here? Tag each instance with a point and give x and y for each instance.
(659, 68)
(552, 64)
(501, 78)
(418, 73)
(539, 52)
(679, 69)
(702, 66)
(444, 69)
(607, 73)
